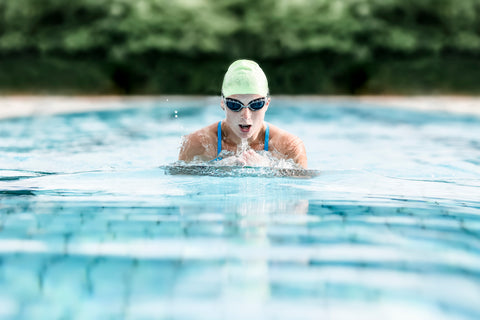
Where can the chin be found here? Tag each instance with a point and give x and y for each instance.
(245, 135)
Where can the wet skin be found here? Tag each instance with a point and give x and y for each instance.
(244, 125)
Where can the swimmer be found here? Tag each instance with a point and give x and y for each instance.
(243, 132)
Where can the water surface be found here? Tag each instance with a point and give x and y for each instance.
(92, 227)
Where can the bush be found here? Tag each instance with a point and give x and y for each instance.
(306, 46)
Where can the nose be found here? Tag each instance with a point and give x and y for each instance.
(246, 113)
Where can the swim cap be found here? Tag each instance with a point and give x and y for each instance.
(244, 77)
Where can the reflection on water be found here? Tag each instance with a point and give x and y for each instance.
(91, 226)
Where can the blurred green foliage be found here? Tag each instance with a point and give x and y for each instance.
(185, 46)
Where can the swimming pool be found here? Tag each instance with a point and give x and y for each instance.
(91, 227)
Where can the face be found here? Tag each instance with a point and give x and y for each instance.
(245, 124)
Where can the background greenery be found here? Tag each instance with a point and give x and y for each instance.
(185, 46)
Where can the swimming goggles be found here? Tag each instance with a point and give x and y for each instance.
(236, 105)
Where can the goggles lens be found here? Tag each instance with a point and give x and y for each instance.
(236, 105)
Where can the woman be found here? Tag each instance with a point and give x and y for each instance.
(243, 133)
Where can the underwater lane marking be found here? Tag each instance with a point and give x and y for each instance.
(26, 246)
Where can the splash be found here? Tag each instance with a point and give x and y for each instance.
(263, 159)
(244, 156)
(207, 169)
(243, 147)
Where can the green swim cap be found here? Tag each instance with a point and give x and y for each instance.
(244, 77)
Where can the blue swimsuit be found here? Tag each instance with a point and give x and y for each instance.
(219, 140)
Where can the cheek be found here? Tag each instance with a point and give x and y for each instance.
(231, 117)
(258, 117)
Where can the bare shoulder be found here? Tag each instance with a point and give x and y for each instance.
(200, 144)
(288, 145)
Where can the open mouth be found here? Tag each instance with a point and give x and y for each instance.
(245, 127)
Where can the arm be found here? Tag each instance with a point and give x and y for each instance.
(288, 146)
(295, 150)
(195, 146)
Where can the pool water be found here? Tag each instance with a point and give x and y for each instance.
(91, 226)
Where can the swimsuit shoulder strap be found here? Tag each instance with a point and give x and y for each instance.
(267, 136)
(219, 137)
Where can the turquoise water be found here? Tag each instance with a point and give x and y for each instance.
(92, 228)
